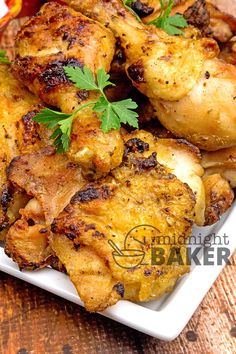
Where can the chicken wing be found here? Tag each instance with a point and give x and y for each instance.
(56, 37)
(192, 91)
(142, 196)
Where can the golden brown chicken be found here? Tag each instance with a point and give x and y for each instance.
(174, 154)
(140, 192)
(19, 134)
(213, 193)
(209, 19)
(192, 91)
(50, 180)
(56, 37)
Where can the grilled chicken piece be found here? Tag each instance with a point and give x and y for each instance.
(59, 36)
(221, 162)
(50, 180)
(209, 19)
(219, 197)
(19, 134)
(174, 154)
(180, 74)
(140, 192)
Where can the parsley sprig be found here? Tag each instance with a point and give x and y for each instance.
(3, 58)
(112, 113)
(170, 24)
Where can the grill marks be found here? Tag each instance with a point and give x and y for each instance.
(54, 74)
(91, 193)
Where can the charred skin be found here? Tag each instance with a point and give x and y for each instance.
(28, 245)
(55, 37)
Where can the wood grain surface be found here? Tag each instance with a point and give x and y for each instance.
(34, 321)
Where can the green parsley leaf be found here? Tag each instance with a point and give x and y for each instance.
(103, 79)
(123, 109)
(3, 58)
(170, 24)
(63, 124)
(112, 113)
(83, 79)
(110, 120)
(100, 105)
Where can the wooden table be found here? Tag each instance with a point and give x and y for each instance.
(34, 321)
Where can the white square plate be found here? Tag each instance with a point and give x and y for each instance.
(163, 319)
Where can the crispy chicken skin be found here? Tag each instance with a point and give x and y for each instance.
(96, 151)
(19, 134)
(192, 91)
(139, 192)
(155, 62)
(59, 36)
(28, 245)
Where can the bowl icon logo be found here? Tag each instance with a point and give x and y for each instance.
(133, 253)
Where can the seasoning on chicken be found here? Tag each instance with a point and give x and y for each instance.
(192, 91)
(138, 193)
(56, 37)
